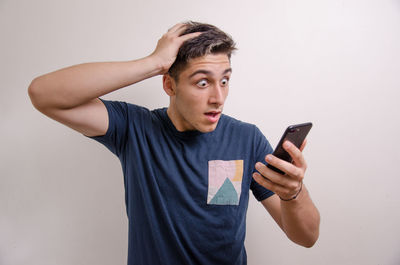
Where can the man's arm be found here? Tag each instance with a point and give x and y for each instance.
(298, 218)
(70, 95)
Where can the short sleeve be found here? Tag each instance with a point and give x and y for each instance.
(116, 135)
(262, 148)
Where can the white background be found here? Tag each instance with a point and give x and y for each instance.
(335, 63)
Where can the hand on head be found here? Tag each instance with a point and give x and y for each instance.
(168, 46)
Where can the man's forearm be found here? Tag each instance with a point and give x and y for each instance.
(75, 85)
(301, 219)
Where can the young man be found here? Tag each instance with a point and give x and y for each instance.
(187, 168)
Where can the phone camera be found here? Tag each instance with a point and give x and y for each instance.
(292, 130)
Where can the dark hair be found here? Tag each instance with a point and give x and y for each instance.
(211, 41)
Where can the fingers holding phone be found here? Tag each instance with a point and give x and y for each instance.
(296, 155)
(286, 166)
(286, 185)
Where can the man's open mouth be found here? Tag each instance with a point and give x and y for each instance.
(212, 113)
(213, 116)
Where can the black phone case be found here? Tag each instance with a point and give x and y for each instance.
(296, 135)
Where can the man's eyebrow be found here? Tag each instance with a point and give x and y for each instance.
(201, 71)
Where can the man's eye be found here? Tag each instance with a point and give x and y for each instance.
(224, 81)
(202, 83)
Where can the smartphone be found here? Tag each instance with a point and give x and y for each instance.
(296, 134)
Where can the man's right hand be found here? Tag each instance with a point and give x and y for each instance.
(169, 44)
(70, 95)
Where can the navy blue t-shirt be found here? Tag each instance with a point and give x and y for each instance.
(186, 193)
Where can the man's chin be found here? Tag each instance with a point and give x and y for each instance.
(208, 128)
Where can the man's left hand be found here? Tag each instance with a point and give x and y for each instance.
(288, 185)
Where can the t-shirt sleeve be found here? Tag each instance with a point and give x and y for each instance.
(262, 148)
(115, 137)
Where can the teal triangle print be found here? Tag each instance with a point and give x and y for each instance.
(226, 195)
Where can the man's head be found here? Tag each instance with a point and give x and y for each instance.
(198, 80)
(211, 41)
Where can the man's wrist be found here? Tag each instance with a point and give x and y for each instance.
(295, 196)
(147, 67)
(157, 64)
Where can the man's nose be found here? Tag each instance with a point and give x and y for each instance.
(217, 95)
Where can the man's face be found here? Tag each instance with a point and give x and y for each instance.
(198, 98)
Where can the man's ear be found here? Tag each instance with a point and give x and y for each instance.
(169, 85)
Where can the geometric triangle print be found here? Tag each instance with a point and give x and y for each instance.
(226, 195)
